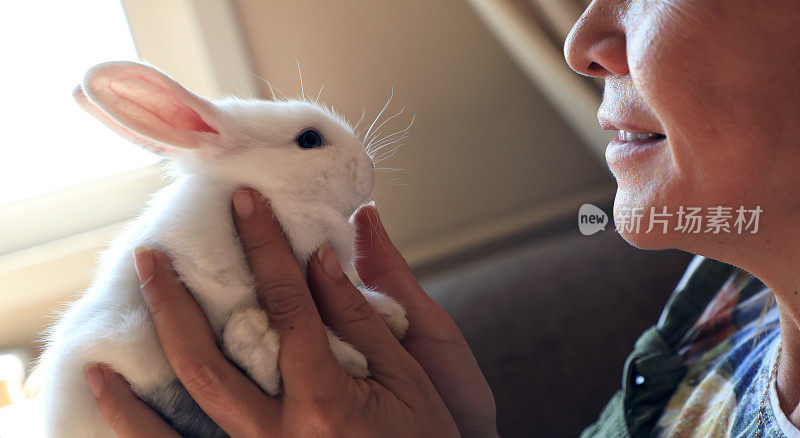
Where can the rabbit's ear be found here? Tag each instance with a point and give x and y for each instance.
(99, 114)
(147, 106)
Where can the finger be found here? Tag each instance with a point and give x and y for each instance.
(381, 266)
(305, 359)
(348, 313)
(432, 338)
(125, 413)
(232, 400)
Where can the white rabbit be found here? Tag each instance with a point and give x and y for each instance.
(309, 163)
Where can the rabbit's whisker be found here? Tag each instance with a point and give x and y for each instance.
(373, 147)
(319, 93)
(384, 149)
(377, 233)
(398, 182)
(383, 143)
(272, 88)
(384, 122)
(401, 135)
(401, 132)
(386, 105)
(374, 143)
(299, 73)
(394, 147)
(361, 119)
(386, 155)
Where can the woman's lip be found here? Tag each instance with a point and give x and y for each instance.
(619, 150)
(617, 125)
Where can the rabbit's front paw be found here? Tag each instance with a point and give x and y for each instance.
(392, 312)
(353, 362)
(253, 345)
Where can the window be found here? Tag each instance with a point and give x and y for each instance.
(67, 182)
(49, 142)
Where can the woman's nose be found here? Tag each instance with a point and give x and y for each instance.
(596, 44)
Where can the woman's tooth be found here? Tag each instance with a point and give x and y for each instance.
(632, 136)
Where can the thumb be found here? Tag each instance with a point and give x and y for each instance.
(379, 263)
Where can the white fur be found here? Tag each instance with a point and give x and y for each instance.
(312, 193)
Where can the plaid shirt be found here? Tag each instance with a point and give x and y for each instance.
(700, 371)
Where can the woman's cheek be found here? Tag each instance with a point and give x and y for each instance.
(655, 57)
(661, 61)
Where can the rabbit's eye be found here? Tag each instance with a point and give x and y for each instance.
(309, 139)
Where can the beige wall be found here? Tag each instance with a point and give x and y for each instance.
(485, 144)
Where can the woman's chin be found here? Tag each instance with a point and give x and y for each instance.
(635, 221)
(648, 241)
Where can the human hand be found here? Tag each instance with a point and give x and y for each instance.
(432, 338)
(319, 398)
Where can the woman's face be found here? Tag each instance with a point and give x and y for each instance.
(719, 78)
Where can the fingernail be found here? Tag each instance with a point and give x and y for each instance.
(145, 263)
(243, 203)
(95, 378)
(330, 264)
